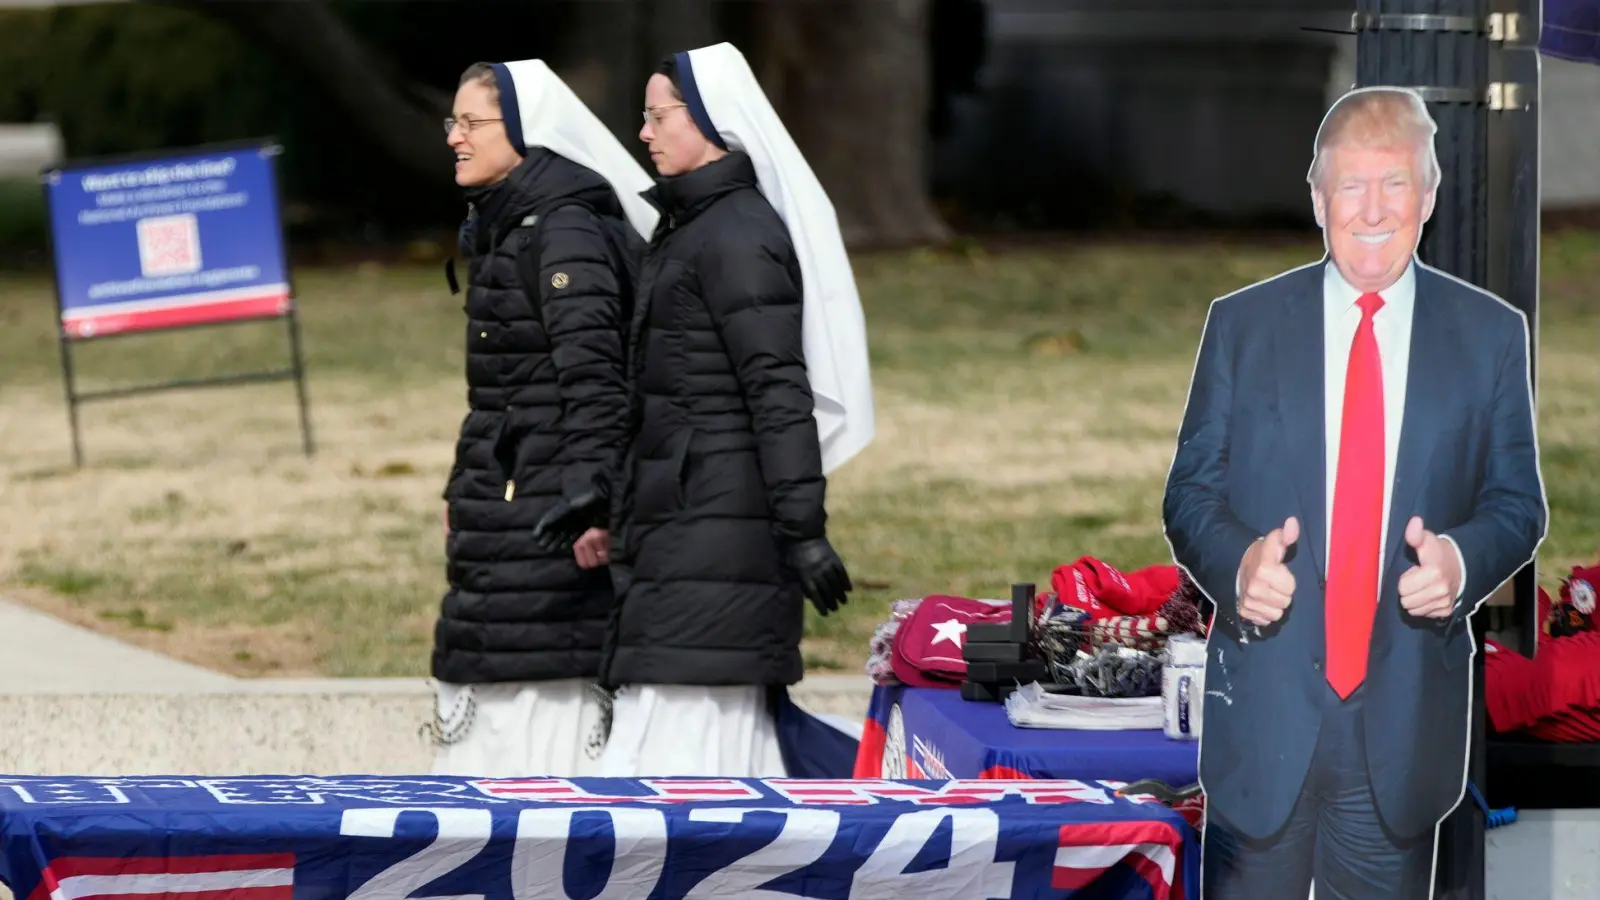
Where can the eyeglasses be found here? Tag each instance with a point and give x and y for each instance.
(467, 123)
(653, 113)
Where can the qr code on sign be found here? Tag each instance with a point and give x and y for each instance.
(169, 245)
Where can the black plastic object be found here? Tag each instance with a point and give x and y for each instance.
(981, 692)
(979, 651)
(996, 672)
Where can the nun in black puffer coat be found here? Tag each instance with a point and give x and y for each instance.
(720, 518)
(551, 258)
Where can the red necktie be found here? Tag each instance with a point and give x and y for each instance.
(1352, 596)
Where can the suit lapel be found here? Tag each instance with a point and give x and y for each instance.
(1427, 385)
(1298, 351)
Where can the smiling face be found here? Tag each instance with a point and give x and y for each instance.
(1373, 180)
(1372, 203)
(484, 154)
(676, 144)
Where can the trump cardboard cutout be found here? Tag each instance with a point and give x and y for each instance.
(1356, 472)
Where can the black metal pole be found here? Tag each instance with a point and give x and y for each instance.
(272, 150)
(72, 397)
(1514, 251)
(300, 380)
(1512, 273)
(69, 382)
(1467, 60)
(1440, 49)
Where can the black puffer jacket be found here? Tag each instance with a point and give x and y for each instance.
(724, 470)
(548, 416)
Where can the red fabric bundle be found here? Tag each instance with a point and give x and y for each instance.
(1104, 592)
(1553, 697)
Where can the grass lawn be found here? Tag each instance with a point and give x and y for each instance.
(1027, 402)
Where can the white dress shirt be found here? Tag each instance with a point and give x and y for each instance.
(1391, 325)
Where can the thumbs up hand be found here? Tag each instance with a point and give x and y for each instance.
(1266, 584)
(1429, 588)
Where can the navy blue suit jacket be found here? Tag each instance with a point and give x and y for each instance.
(1251, 453)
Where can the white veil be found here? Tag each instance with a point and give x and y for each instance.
(835, 333)
(549, 115)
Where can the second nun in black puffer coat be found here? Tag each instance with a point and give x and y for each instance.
(518, 640)
(720, 526)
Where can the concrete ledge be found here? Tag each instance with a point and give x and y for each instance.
(260, 727)
(214, 733)
(1547, 854)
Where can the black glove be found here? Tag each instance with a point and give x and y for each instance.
(566, 521)
(821, 572)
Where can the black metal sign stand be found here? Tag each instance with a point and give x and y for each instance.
(1476, 64)
(295, 370)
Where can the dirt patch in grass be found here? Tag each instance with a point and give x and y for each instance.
(1027, 407)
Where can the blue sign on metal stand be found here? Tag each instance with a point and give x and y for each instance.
(157, 242)
(193, 239)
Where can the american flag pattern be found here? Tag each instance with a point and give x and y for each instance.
(661, 790)
(1138, 632)
(267, 876)
(1152, 849)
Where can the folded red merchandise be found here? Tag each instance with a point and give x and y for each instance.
(1515, 693)
(1574, 669)
(1555, 696)
(1103, 591)
(928, 645)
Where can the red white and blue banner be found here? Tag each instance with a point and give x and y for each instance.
(167, 242)
(362, 837)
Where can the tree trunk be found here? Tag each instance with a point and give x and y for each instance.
(401, 117)
(851, 80)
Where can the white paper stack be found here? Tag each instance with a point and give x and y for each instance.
(1030, 706)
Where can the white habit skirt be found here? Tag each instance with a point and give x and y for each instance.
(660, 730)
(516, 729)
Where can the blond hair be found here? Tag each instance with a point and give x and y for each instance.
(1380, 117)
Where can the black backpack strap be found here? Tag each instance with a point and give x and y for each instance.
(450, 275)
(528, 267)
(527, 260)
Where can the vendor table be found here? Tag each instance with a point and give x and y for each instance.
(933, 733)
(356, 837)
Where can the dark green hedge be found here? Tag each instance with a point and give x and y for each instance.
(132, 77)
